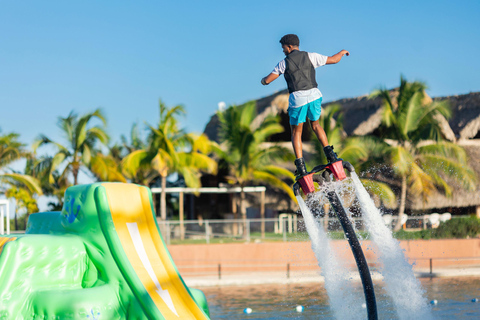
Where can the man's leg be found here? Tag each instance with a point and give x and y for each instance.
(297, 149)
(297, 139)
(319, 132)
(322, 137)
(313, 113)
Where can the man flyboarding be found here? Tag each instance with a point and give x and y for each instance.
(305, 99)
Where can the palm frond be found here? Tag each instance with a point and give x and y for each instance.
(421, 183)
(272, 180)
(445, 149)
(451, 168)
(31, 183)
(382, 190)
(134, 161)
(401, 159)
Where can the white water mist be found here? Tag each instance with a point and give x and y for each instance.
(400, 282)
(337, 284)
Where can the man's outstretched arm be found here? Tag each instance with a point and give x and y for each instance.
(268, 79)
(337, 57)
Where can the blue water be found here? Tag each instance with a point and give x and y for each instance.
(454, 300)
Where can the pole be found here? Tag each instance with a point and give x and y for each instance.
(167, 231)
(358, 254)
(207, 233)
(181, 214)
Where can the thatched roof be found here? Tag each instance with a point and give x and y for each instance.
(465, 121)
(274, 103)
(362, 116)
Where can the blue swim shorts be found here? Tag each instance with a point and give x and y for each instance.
(311, 110)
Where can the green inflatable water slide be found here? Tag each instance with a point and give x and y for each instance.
(101, 257)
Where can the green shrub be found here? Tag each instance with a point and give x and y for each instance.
(457, 228)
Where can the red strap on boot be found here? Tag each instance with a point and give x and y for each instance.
(337, 170)
(306, 183)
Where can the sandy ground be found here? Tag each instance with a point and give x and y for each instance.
(256, 278)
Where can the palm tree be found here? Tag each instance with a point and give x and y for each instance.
(416, 149)
(246, 153)
(11, 150)
(107, 167)
(171, 150)
(141, 173)
(24, 200)
(51, 181)
(81, 139)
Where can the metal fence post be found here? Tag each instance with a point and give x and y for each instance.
(284, 226)
(248, 230)
(207, 231)
(219, 271)
(431, 266)
(167, 231)
(288, 270)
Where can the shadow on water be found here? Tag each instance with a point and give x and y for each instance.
(454, 296)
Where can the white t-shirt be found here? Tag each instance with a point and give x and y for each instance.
(302, 97)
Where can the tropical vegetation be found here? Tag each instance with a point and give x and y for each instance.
(407, 151)
(171, 150)
(414, 147)
(247, 155)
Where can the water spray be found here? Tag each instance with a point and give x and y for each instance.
(321, 174)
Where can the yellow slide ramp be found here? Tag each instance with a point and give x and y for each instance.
(134, 239)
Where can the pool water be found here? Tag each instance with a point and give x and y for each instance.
(453, 295)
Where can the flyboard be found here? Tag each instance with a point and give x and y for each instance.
(319, 174)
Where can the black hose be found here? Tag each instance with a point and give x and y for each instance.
(358, 254)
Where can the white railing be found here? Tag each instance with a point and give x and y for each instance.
(288, 227)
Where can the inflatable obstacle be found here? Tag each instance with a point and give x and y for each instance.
(101, 257)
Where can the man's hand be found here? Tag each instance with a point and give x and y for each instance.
(337, 57)
(266, 80)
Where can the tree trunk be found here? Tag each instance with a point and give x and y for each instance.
(163, 199)
(235, 214)
(75, 170)
(243, 211)
(403, 200)
(75, 177)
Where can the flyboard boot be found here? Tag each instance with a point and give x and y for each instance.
(304, 179)
(301, 168)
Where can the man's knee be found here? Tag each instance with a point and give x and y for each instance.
(315, 125)
(296, 130)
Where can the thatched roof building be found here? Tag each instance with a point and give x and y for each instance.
(362, 116)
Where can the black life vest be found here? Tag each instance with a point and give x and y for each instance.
(299, 72)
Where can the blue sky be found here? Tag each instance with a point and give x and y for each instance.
(123, 56)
